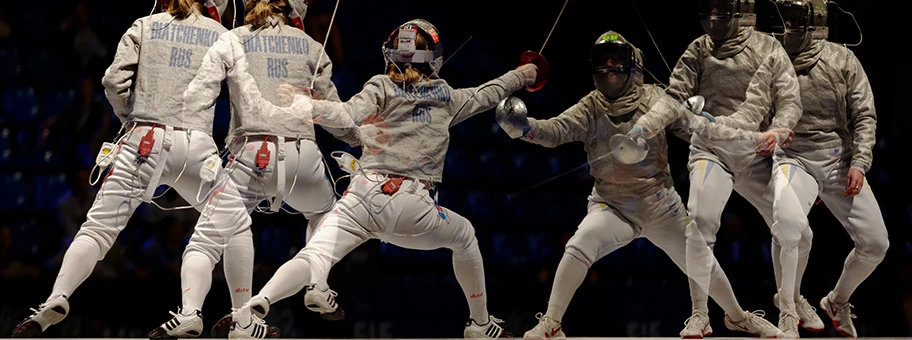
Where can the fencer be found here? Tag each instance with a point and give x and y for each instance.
(830, 153)
(404, 117)
(631, 200)
(272, 153)
(719, 66)
(156, 59)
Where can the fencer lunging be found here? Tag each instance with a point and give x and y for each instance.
(404, 118)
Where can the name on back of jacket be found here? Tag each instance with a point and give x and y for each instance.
(276, 67)
(184, 34)
(182, 57)
(275, 44)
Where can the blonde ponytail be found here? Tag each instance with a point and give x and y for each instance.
(259, 11)
(404, 77)
(182, 9)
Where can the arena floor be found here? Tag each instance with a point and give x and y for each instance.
(569, 338)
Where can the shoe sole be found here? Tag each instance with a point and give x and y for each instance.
(800, 322)
(27, 330)
(836, 324)
(710, 333)
(815, 330)
(160, 333)
(221, 328)
(338, 315)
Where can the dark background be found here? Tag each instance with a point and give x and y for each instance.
(52, 52)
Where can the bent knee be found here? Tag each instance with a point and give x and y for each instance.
(213, 252)
(101, 238)
(581, 247)
(875, 249)
(465, 245)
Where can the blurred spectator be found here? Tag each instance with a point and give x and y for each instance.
(87, 45)
(11, 264)
(5, 31)
(6, 243)
(79, 130)
(316, 21)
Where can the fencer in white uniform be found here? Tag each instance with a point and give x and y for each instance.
(630, 200)
(830, 153)
(404, 118)
(272, 153)
(155, 60)
(719, 66)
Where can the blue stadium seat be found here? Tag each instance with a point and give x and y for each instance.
(28, 239)
(483, 206)
(540, 248)
(504, 247)
(27, 152)
(15, 191)
(10, 67)
(517, 212)
(6, 147)
(49, 189)
(19, 104)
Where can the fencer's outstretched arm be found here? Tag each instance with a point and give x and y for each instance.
(119, 77)
(774, 85)
(468, 102)
(570, 126)
(667, 112)
(226, 59)
(860, 103)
